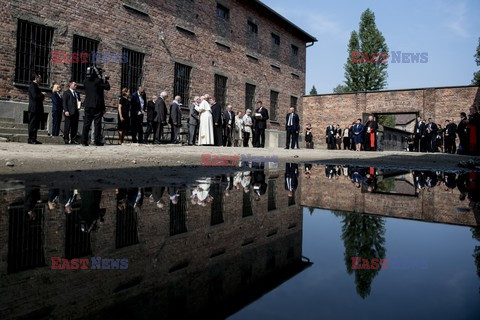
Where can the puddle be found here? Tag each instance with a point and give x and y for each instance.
(301, 241)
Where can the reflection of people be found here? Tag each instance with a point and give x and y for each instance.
(308, 170)
(32, 197)
(291, 178)
(89, 209)
(259, 184)
(370, 180)
(156, 196)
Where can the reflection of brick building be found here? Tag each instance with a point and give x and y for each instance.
(239, 51)
(185, 259)
(433, 205)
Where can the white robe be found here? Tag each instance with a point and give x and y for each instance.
(205, 132)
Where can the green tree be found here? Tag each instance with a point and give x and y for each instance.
(476, 75)
(387, 120)
(340, 89)
(369, 74)
(313, 91)
(363, 236)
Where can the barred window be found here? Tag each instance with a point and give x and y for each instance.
(294, 50)
(294, 56)
(34, 46)
(249, 96)
(275, 47)
(25, 244)
(293, 102)
(252, 27)
(220, 91)
(181, 84)
(275, 39)
(272, 194)
(132, 70)
(82, 45)
(178, 215)
(126, 233)
(273, 105)
(223, 12)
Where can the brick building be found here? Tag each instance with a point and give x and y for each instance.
(183, 259)
(239, 51)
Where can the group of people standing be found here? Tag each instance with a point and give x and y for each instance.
(431, 137)
(356, 136)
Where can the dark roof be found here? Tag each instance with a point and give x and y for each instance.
(272, 14)
(405, 118)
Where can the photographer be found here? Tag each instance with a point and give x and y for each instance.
(95, 85)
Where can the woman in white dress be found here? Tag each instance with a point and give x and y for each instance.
(205, 132)
(237, 133)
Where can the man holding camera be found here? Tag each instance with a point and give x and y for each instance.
(95, 85)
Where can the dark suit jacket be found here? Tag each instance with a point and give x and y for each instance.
(175, 114)
(260, 123)
(70, 103)
(150, 111)
(57, 102)
(419, 129)
(94, 97)
(227, 118)
(160, 111)
(35, 99)
(217, 114)
(136, 105)
(295, 122)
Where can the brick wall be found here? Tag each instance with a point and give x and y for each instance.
(248, 244)
(340, 194)
(436, 103)
(213, 47)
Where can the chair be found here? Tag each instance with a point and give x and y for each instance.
(110, 131)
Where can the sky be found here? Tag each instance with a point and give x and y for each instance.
(447, 30)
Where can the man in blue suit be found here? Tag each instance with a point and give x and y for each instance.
(139, 105)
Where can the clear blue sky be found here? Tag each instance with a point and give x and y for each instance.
(447, 30)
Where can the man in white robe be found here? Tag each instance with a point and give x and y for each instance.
(205, 132)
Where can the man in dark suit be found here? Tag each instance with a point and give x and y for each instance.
(160, 116)
(330, 136)
(139, 99)
(217, 122)
(419, 134)
(431, 130)
(151, 124)
(35, 108)
(229, 126)
(71, 98)
(259, 181)
(291, 178)
(94, 103)
(292, 125)
(175, 118)
(449, 137)
(260, 124)
(193, 121)
(463, 134)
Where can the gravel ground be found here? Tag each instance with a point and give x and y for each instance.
(113, 163)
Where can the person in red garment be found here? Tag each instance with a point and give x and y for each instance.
(371, 128)
(473, 131)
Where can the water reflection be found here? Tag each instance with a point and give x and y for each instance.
(209, 247)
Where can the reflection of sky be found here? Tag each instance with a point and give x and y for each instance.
(448, 289)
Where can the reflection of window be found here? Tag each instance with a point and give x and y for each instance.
(127, 219)
(217, 205)
(25, 246)
(247, 204)
(132, 70)
(33, 52)
(178, 213)
(272, 194)
(77, 242)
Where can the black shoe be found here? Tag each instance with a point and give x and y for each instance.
(286, 148)
(85, 144)
(74, 142)
(32, 142)
(38, 142)
(66, 142)
(99, 144)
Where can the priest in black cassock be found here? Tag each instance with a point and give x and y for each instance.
(371, 128)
